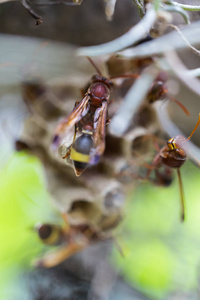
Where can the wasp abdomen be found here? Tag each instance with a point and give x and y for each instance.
(80, 153)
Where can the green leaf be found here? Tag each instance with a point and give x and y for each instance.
(24, 202)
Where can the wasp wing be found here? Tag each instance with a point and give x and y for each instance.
(65, 126)
(99, 133)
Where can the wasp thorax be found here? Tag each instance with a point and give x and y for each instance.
(99, 90)
(80, 153)
(173, 155)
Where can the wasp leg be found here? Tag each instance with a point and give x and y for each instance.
(52, 259)
(182, 196)
(66, 227)
(180, 105)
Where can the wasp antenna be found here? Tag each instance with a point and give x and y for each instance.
(182, 196)
(181, 106)
(96, 68)
(195, 128)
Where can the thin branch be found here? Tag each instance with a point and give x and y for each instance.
(122, 119)
(140, 6)
(179, 10)
(184, 38)
(165, 43)
(110, 8)
(184, 6)
(38, 19)
(25, 3)
(194, 72)
(60, 2)
(135, 34)
(180, 70)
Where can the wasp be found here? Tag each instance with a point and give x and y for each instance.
(173, 156)
(159, 91)
(89, 120)
(69, 240)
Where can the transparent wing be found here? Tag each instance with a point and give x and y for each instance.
(76, 115)
(99, 133)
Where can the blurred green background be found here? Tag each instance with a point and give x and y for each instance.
(160, 254)
(24, 202)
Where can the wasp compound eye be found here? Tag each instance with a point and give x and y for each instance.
(80, 153)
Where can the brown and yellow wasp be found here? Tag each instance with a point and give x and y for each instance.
(173, 156)
(69, 240)
(89, 118)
